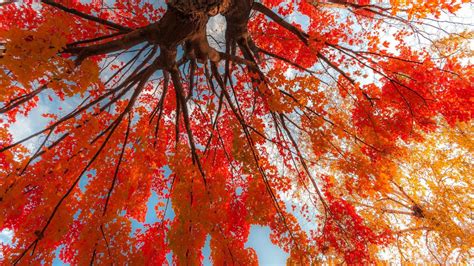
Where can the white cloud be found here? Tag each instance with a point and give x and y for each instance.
(6, 237)
(216, 27)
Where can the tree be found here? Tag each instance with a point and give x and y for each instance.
(341, 130)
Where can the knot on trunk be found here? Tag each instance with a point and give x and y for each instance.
(417, 211)
(39, 234)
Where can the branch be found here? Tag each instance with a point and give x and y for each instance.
(275, 17)
(74, 113)
(182, 100)
(22, 99)
(124, 145)
(254, 153)
(251, 65)
(296, 65)
(40, 234)
(87, 16)
(100, 38)
(159, 106)
(303, 163)
(130, 39)
(128, 108)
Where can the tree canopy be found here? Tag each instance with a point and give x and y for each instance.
(343, 126)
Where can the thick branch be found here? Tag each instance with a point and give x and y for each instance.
(87, 16)
(275, 17)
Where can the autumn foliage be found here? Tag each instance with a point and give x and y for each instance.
(343, 126)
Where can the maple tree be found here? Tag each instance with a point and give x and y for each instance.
(342, 131)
